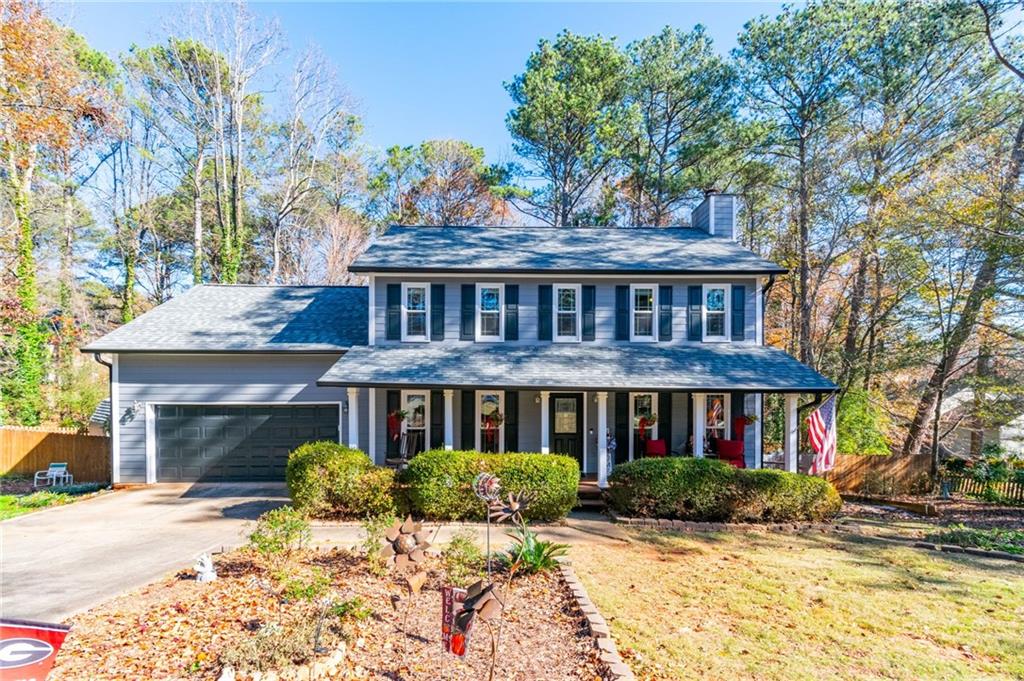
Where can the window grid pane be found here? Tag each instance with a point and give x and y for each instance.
(489, 299)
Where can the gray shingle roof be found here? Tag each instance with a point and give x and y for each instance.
(707, 366)
(580, 250)
(212, 318)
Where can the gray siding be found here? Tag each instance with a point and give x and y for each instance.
(528, 304)
(724, 216)
(700, 216)
(202, 379)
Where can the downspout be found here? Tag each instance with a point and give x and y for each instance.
(110, 396)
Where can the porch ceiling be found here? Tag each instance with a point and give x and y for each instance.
(701, 367)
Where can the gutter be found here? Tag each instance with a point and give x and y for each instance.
(110, 397)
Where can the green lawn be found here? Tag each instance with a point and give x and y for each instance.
(772, 606)
(12, 505)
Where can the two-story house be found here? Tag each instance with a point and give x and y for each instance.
(572, 341)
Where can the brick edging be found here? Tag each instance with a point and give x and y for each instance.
(691, 526)
(615, 668)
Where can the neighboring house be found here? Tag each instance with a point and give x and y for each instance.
(99, 421)
(494, 338)
(1008, 431)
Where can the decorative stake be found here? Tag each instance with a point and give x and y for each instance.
(483, 602)
(511, 508)
(487, 488)
(405, 543)
(205, 572)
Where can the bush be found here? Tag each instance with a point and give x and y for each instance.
(279, 532)
(532, 555)
(329, 479)
(463, 559)
(995, 539)
(440, 483)
(711, 490)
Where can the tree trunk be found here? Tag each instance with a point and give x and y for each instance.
(803, 218)
(982, 290)
(197, 220)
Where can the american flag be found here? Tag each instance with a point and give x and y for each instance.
(821, 431)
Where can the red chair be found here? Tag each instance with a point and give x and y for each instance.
(656, 448)
(731, 451)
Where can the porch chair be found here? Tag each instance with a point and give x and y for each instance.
(731, 451)
(56, 474)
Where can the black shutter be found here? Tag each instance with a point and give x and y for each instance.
(511, 312)
(436, 419)
(688, 444)
(468, 418)
(544, 312)
(392, 402)
(393, 326)
(665, 420)
(736, 409)
(739, 309)
(511, 421)
(664, 313)
(693, 322)
(589, 312)
(623, 431)
(622, 313)
(437, 312)
(467, 329)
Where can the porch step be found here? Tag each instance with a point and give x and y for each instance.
(589, 496)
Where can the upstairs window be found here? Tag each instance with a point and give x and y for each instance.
(415, 311)
(716, 312)
(643, 302)
(567, 312)
(489, 312)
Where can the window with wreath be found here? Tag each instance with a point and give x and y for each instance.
(642, 307)
(491, 419)
(645, 422)
(488, 313)
(414, 308)
(716, 312)
(567, 312)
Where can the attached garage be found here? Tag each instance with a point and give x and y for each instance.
(215, 443)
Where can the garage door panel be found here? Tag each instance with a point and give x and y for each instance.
(218, 442)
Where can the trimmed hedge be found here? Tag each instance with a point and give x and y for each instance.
(440, 483)
(326, 479)
(712, 490)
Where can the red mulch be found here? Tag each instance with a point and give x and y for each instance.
(177, 628)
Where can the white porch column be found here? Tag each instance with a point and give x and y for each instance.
(545, 427)
(791, 434)
(371, 429)
(602, 439)
(449, 420)
(758, 412)
(353, 418)
(699, 424)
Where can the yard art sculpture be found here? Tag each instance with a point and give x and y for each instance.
(487, 488)
(405, 546)
(205, 572)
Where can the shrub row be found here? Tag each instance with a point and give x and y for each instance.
(711, 490)
(329, 480)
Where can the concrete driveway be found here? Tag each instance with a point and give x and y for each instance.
(61, 561)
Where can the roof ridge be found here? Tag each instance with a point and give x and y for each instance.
(652, 228)
(248, 285)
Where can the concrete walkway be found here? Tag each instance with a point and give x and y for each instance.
(63, 560)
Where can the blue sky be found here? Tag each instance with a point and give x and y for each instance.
(424, 70)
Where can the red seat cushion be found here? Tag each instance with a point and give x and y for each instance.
(656, 448)
(732, 452)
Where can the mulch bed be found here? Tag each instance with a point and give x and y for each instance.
(970, 512)
(178, 628)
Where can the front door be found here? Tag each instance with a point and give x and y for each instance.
(567, 425)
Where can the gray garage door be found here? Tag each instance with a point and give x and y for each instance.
(215, 443)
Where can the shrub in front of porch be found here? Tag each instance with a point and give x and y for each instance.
(711, 490)
(326, 479)
(439, 483)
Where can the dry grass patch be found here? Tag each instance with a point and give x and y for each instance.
(768, 606)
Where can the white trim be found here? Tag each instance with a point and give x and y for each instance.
(115, 421)
(150, 443)
(602, 439)
(735, 215)
(711, 214)
(151, 407)
(352, 395)
(501, 429)
(372, 312)
(449, 419)
(371, 423)
(632, 417)
(758, 312)
(586, 434)
(653, 338)
(699, 424)
(501, 313)
(406, 338)
(727, 327)
(578, 288)
(552, 277)
(545, 422)
(426, 413)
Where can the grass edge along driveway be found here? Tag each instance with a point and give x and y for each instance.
(776, 606)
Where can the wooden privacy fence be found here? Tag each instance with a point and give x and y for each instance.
(27, 450)
(959, 484)
(892, 474)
